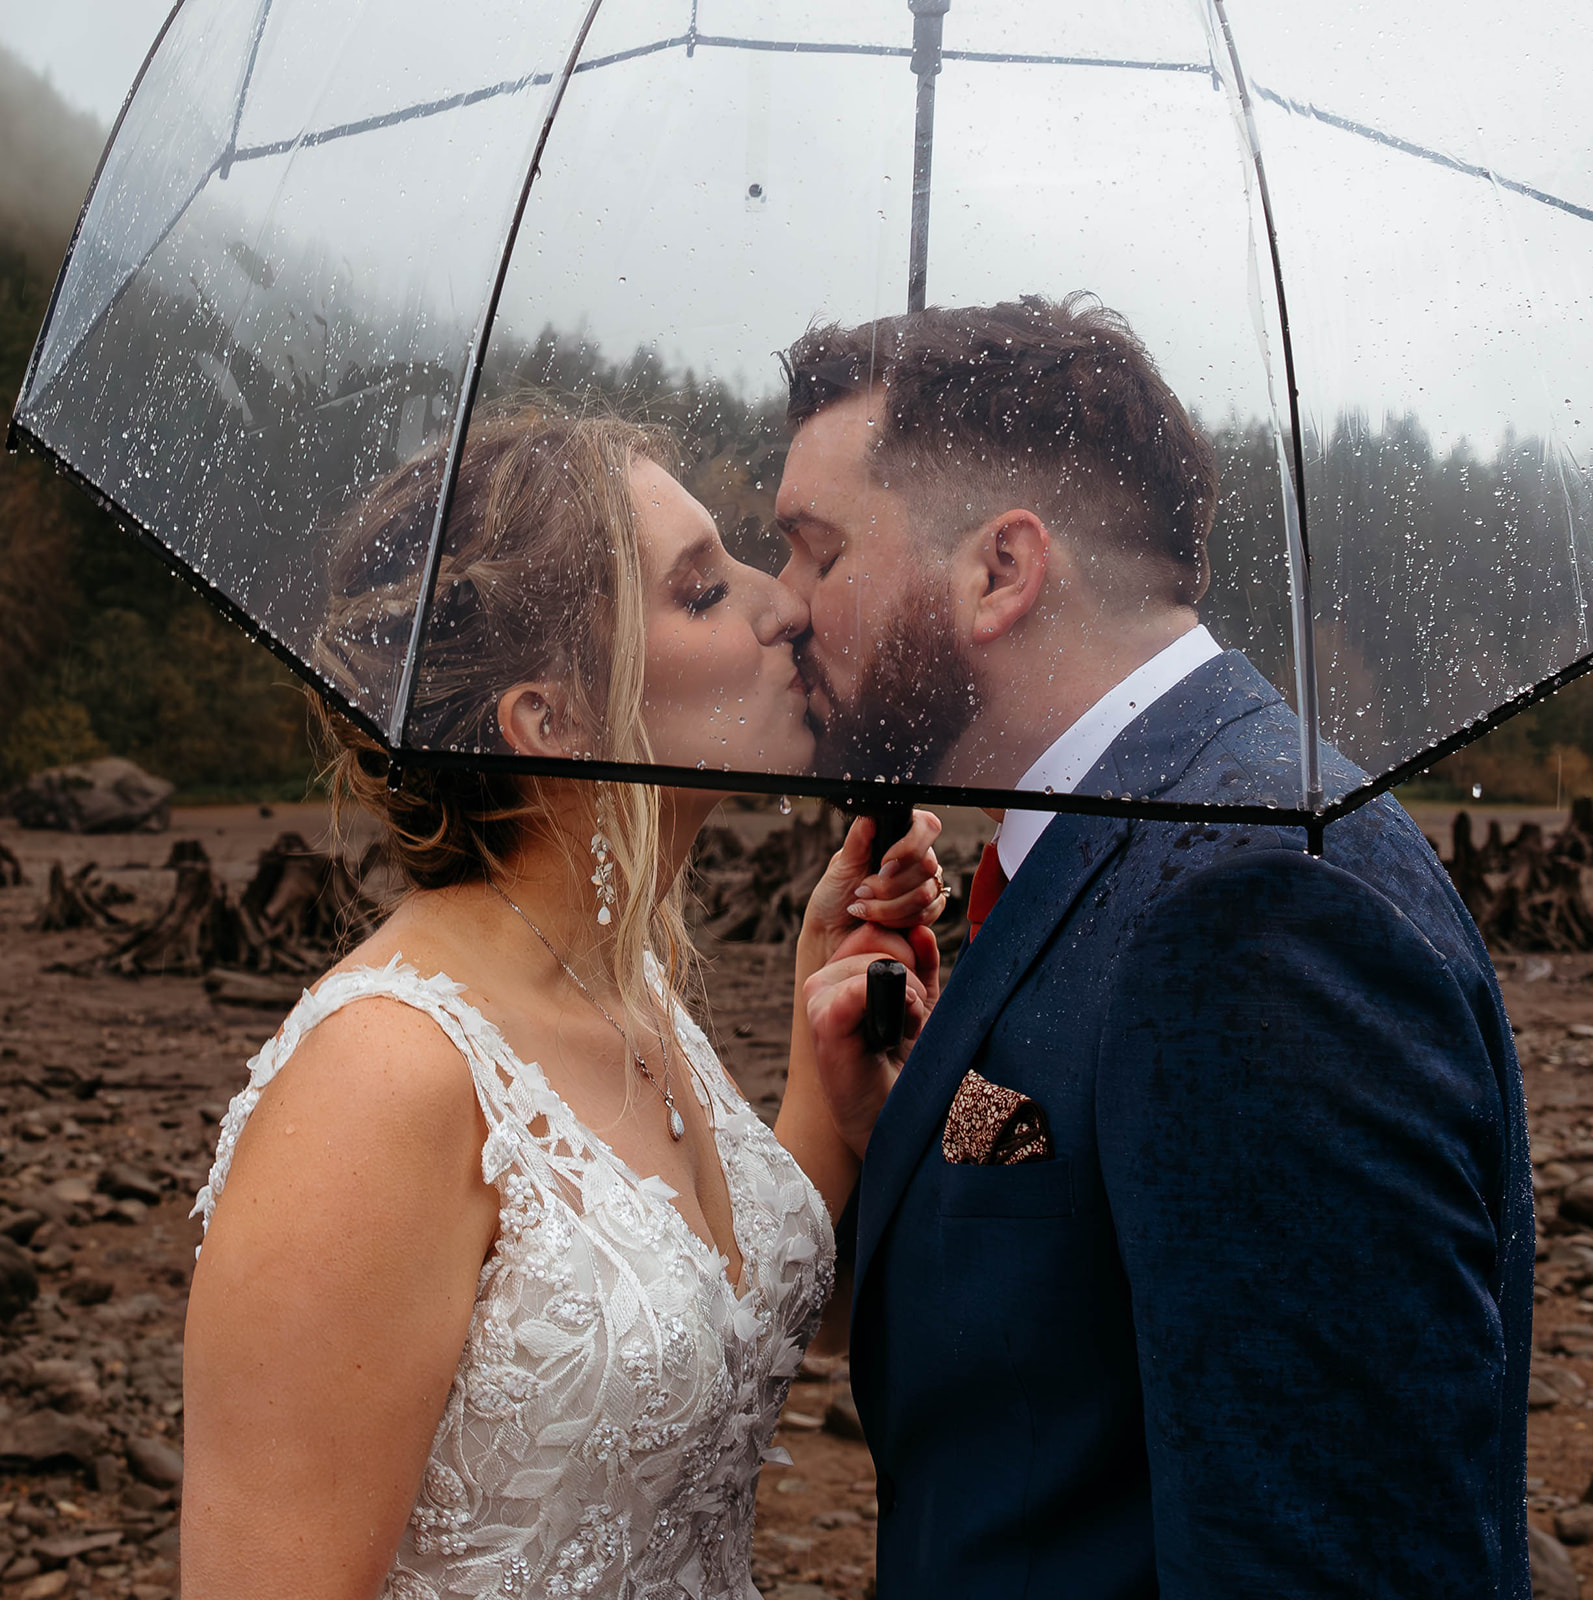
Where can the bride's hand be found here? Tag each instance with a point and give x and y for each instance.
(856, 1080)
(908, 891)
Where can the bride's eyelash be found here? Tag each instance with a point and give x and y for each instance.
(707, 599)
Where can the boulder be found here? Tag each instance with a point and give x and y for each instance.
(1576, 1204)
(1553, 1575)
(106, 796)
(45, 1436)
(155, 1462)
(121, 1180)
(840, 1416)
(19, 1279)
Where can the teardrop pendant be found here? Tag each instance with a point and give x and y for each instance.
(677, 1125)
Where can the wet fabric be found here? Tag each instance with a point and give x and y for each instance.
(1262, 1325)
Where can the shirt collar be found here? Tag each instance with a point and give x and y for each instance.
(1066, 763)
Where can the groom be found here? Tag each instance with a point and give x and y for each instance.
(1195, 1238)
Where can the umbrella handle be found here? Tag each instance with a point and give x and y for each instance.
(885, 1006)
(892, 819)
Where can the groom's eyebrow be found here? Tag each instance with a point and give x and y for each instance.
(791, 526)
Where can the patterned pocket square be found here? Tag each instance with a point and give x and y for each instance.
(989, 1126)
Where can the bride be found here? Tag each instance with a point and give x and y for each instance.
(503, 1283)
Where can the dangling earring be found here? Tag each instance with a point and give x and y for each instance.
(603, 878)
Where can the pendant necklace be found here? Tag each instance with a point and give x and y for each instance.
(677, 1124)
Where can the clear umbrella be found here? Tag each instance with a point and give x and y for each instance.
(333, 245)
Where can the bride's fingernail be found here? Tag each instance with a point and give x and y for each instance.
(857, 909)
(889, 868)
(864, 891)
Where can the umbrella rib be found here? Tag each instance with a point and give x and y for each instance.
(691, 41)
(243, 89)
(1299, 547)
(1407, 147)
(404, 699)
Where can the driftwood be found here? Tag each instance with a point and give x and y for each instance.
(11, 874)
(81, 901)
(759, 896)
(300, 907)
(1532, 893)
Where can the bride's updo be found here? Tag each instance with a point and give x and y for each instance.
(540, 578)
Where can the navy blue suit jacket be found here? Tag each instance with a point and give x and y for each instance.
(1262, 1326)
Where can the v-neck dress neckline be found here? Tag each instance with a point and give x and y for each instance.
(616, 1394)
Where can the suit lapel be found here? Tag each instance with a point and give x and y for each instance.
(1146, 759)
(1032, 906)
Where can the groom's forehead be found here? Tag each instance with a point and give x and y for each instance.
(829, 462)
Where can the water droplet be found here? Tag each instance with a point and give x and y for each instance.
(785, 805)
(1476, 791)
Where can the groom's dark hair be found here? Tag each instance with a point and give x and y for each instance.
(1054, 405)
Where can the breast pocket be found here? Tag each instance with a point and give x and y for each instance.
(1031, 1189)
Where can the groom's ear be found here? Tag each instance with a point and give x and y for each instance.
(1003, 568)
(534, 720)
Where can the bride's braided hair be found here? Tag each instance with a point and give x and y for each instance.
(540, 578)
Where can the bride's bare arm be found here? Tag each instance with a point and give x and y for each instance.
(905, 895)
(329, 1309)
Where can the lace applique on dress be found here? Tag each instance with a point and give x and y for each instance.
(615, 1397)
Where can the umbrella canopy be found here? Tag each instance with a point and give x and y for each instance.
(334, 245)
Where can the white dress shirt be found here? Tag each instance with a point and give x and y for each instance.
(1068, 760)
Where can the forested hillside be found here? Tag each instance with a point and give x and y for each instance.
(101, 650)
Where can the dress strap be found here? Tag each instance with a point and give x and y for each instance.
(509, 1092)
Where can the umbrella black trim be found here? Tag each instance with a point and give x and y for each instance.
(1418, 764)
(838, 789)
(22, 437)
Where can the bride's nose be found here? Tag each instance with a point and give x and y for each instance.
(782, 615)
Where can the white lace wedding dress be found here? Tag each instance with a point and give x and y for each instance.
(606, 1424)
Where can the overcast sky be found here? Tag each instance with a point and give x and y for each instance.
(1410, 286)
(89, 49)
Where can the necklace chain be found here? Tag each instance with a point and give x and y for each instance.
(677, 1126)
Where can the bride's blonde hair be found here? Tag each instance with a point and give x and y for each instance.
(541, 578)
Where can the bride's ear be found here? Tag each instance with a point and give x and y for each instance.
(534, 720)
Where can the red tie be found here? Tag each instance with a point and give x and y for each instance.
(986, 889)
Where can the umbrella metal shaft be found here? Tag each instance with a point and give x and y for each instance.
(928, 25)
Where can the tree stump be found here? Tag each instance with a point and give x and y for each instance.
(75, 902)
(298, 910)
(1530, 894)
(11, 874)
(196, 931)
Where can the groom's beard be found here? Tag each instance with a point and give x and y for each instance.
(916, 697)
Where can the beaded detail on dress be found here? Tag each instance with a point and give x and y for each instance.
(615, 1397)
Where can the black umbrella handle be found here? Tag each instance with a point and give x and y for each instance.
(892, 819)
(885, 1009)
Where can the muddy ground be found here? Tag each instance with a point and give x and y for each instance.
(110, 1090)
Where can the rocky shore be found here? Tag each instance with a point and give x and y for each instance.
(110, 1090)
